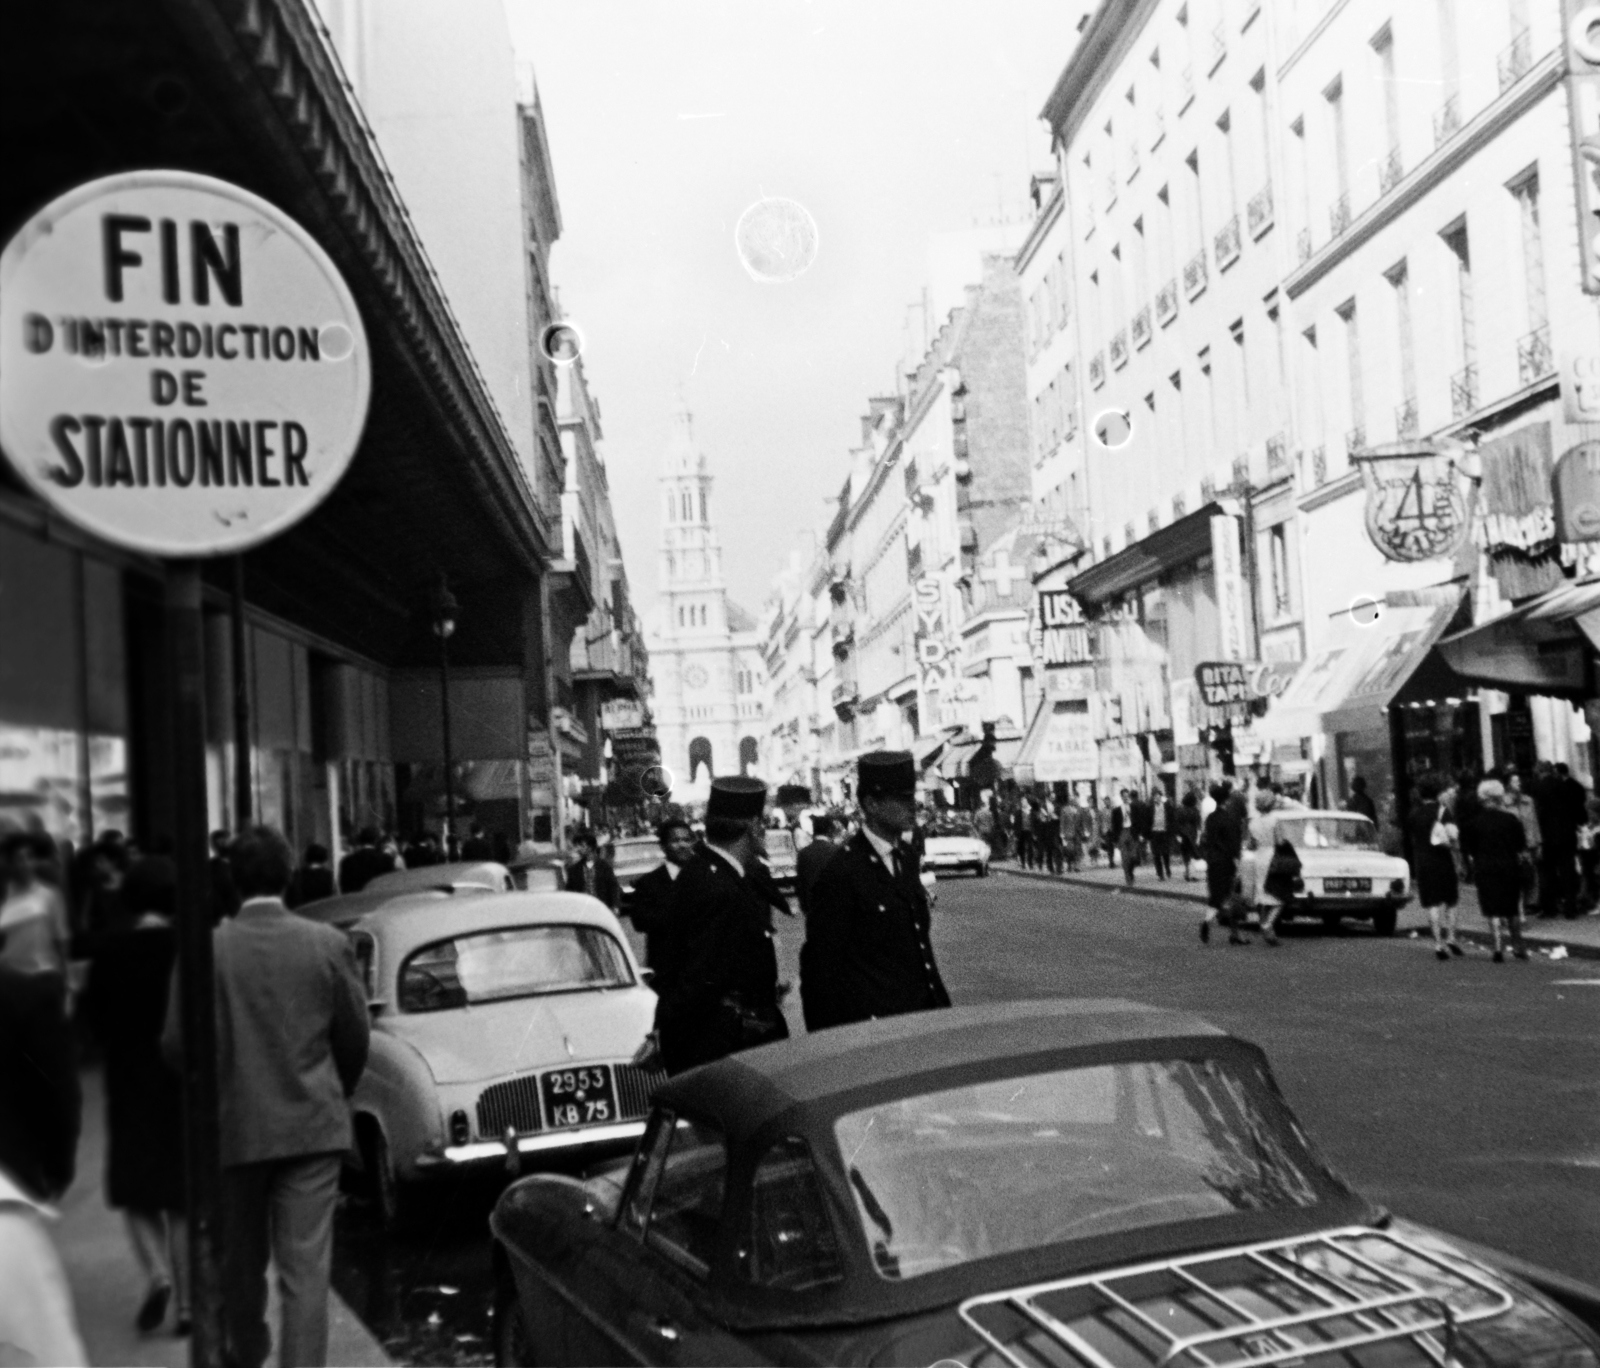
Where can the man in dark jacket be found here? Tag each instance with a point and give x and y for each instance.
(363, 864)
(39, 1082)
(1561, 804)
(591, 873)
(813, 859)
(651, 902)
(868, 951)
(1360, 800)
(717, 976)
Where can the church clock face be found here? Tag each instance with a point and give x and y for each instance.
(695, 677)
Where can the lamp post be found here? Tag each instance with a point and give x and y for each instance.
(444, 624)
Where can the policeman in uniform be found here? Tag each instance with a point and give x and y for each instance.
(867, 952)
(718, 976)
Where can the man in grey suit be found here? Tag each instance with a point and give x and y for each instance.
(292, 1035)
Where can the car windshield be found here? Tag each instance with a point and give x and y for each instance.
(951, 828)
(780, 844)
(1022, 1163)
(1324, 832)
(523, 961)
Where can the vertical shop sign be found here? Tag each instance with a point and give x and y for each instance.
(1583, 118)
(936, 662)
(1228, 569)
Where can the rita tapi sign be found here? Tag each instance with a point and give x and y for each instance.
(1225, 682)
(182, 369)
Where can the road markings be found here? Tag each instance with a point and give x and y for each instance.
(1578, 983)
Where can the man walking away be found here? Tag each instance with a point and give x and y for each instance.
(868, 951)
(313, 881)
(651, 903)
(1186, 822)
(718, 981)
(1046, 837)
(1220, 842)
(1361, 801)
(1560, 801)
(813, 859)
(1023, 830)
(591, 874)
(291, 1045)
(363, 864)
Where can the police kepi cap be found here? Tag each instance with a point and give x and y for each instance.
(736, 797)
(886, 774)
(793, 793)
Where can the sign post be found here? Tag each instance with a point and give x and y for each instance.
(183, 373)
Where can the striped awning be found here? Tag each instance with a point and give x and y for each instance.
(1545, 646)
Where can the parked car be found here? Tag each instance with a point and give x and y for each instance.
(456, 874)
(633, 857)
(504, 1024)
(1343, 873)
(953, 845)
(1066, 1183)
(782, 856)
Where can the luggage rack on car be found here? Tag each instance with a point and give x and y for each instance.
(1279, 1302)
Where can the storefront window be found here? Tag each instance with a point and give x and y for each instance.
(44, 783)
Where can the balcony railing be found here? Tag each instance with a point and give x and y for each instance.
(1130, 533)
(1533, 356)
(1118, 348)
(1219, 47)
(1277, 454)
(1167, 303)
(1133, 160)
(1447, 121)
(1515, 58)
(1208, 489)
(1226, 243)
(1097, 370)
(1302, 245)
(1152, 520)
(1241, 472)
(1464, 391)
(1194, 274)
(1339, 214)
(1185, 88)
(1390, 171)
(1178, 506)
(1258, 213)
(1158, 122)
(1139, 329)
(1405, 419)
(1355, 440)
(1319, 465)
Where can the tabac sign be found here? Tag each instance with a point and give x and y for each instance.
(182, 369)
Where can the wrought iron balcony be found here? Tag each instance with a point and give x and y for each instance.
(1152, 520)
(1167, 303)
(1185, 88)
(1319, 465)
(1355, 440)
(1302, 245)
(1464, 391)
(1097, 370)
(1208, 489)
(1130, 533)
(1241, 472)
(1277, 454)
(1534, 359)
(1226, 243)
(1158, 127)
(1515, 58)
(1194, 274)
(1219, 47)
(1339, 214)
(1178, 506)
(1447, 121)
(1405, 419)
(1139, 328)
(1118, 349)
(1133, 160)
(1258, 213)
(1390, 171)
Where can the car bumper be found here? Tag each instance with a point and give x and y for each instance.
(489, 1151)
(1319, 903)
(937, 862)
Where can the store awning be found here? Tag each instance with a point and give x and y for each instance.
(1179, 543)
(953, 762)
(1543, 647)
(926, 749)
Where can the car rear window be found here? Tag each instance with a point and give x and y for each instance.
(514, 962)
(1327, 833)
(1024, 1163)
(790, 1243)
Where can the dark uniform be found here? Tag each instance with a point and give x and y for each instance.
(808, 867)
(868, 951)
(649, 908)
(717, 976)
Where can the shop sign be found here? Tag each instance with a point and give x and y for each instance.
(1517, 512)
(1582, 35)
(618, 714)
(1242, 681)
(1067, 751)
(1228, 569)
(183, 372)
(1064, 637)
(1580, 387)
(1577, 494)
(936, 662)
(541, 759)
(1416, 504)
(635, 748)
(1120, 758)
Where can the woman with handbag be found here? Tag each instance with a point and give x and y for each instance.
(1502, 865)
(1433, 839)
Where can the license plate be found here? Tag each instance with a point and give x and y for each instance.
(578, 1097)
(1347, 885)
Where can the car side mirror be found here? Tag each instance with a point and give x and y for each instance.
(647, 975)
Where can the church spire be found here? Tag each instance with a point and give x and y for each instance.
(682, 457)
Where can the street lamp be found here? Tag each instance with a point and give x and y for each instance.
(444, 624)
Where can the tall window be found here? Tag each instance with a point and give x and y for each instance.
(703, 517)
(1352, 352)
(1278, 558)
(1208, 399)
(1464, 383)
(1449, 50)
(1280, 372)
(1230, 179)
(1341, 153)
(1383, 47)
(1526, 194)
(686, 506)
(1164, 253)
(1260, 148)
(1399, 279)
(1241, 364)
(1310, 385)
(1197, 217)
(1064, 293)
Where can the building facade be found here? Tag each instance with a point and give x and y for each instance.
(707, 674)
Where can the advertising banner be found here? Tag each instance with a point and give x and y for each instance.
(1067, 751)
(1228, 569)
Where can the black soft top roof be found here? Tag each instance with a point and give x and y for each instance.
(745, 1091)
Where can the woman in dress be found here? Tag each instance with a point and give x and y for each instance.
(1499, 848)
(33, 915)
(126, 1004)
(1220, 844)
(1433, 839)
(1187, 820)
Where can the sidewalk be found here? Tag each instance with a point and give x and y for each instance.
(1580, 938)
(107, 1285)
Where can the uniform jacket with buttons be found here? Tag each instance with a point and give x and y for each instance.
(717, 968)
(868, 952)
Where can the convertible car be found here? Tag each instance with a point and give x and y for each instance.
(1343, 873)
(1066, 1184)
(955, 845)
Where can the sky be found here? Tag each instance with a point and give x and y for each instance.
(887, 119)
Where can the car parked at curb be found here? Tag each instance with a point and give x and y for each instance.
(1343, 873)
(1079, 1184)
(503, 1025)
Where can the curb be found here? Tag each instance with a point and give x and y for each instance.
(1575, 950)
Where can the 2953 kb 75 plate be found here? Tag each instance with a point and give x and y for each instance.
(578, 1097)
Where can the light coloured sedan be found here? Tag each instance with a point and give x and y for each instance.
(1343, 873)
(953, 846)
(457, 874)
(503, 1025)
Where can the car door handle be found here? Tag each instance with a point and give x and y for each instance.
(660, 1325)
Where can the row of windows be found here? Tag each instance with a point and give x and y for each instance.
(680, 506)
(692, 615)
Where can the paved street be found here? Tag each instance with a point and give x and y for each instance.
(1464, 1094)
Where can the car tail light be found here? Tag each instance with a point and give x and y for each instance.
(1299, 885)
(1397, 885)
(460, 1130)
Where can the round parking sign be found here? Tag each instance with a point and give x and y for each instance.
(182, 370)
